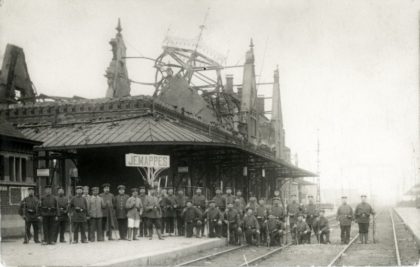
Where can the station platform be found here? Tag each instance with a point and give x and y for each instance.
(411, 218)
(108, 253)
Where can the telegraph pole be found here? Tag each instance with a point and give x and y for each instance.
(318, 172)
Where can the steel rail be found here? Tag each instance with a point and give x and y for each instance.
(211, 255)
(397, 251)
(265, 255)
(342, 251)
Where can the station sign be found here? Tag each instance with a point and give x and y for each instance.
(147, 160)
(43, 172)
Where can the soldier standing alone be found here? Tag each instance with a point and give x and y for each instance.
(29, 212)
(345, 217)
(362, 215)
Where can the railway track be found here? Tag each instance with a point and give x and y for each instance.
(386, 251)
(239, 256)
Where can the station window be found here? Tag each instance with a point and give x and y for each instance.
(12, 169)
(1, 167)
(23, 169)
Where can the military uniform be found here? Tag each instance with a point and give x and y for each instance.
(302, 231)
(261, 215)
(213, 217)
(323, 229)
(153, 213)
(143, 218)
(219, 200)
(240, 203)
(311, 213)
(345, 217)
(277, 212)
(121, 213)
(49, 212)
(199, 201)
(63, 208)
(180, 202)
(292, 212)
(95, 206)
(29, 211)
(275, 230)
(192, 218)
(229, 199)
(362, 215)
(252, 204)
(170, 212)
(109, 221)
(233, 220)
(252, 229)
(78, 208)
(87, 223)
(134, 207)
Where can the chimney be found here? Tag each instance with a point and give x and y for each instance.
(229, 84)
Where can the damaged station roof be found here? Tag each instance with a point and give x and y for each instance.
(182, 111)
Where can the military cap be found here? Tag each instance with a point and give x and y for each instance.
(31, 188)
(238, 191)
(86, 186)
(363, 195)
(344, 197)
(121, 187)
(188, 200)
(198, 189)
(106, 185)
(134, 189)
(95, 188)
(60, 187)
(142, 188)
(180, 190)
(228, 188)
(79, 187)
(170, 189)
(47, 186)
(218, 188)
(248, 208)
(231, 204)
(276, 198)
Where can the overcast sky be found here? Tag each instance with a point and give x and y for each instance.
(347, 68)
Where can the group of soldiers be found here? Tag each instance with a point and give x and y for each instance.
(225, 215)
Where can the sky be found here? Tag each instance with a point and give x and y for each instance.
(348, 69)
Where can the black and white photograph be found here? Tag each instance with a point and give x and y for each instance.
(209, 133)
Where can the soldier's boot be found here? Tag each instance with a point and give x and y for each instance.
(135, 234)
(366, 238)
(159, 234)
(129, 234)
(150, 232)
(361, 238)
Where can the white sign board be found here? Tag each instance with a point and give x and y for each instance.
(43, 172)
(148, 161)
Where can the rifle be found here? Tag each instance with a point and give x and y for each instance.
(228, 234)
(267, 234)
(286, 232)
(26, 221)
(296, 236)
(373, 228)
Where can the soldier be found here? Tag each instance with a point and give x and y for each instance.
(251, 228)
(275, 230)
(239, 207)
(301, 230)
(362, 215)
(219, 200)
(252, 204)
(232, 218)
(199, 201)
(143, 218)
(292, 212)
(180, 202)
(63, 208)
(135, 208)
(121, 212)
(49, 212)
(229, 198)
(29, 212)
(153, 213)
(169, 205)
(261, 215)
(323, 228)
(213, 218)
(240, 199)
(95, 206)
(277, 211)
(162, 197)
(345, 217)
(86, 195)
(79, 212)
(311, 213)
(109, 221)
(192, 217)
